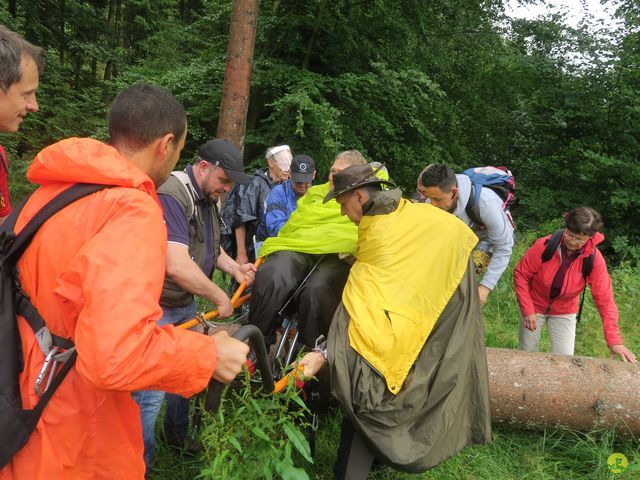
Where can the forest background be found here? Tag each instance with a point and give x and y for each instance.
(409, 83)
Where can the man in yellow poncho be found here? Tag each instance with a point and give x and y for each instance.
(405, 350)
(315, 232)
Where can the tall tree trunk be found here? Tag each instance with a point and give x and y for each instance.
(119, 35)
(77, 70)
(94, 70)
(113, 39)
(11, 8)
(237, 76)
(61, 33)
(312, 39)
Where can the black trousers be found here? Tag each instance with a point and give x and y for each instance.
(279, 277)
(354, 458)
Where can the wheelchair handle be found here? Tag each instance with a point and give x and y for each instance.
(256, 340)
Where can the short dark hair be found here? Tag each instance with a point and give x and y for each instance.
(583, 220)
(439, 175)
(13, 47)
(142, 113)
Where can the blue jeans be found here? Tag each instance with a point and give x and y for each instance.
(176, 417)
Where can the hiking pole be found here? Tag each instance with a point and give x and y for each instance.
(236, 301)
(254, 335)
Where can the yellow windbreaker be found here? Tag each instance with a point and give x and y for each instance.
(401, 282)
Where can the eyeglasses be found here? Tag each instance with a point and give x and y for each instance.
(574, 238)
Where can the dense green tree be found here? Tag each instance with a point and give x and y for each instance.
(409, 83)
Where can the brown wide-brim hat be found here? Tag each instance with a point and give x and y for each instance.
(355, 176)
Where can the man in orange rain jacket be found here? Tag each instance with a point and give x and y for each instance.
(95, 273)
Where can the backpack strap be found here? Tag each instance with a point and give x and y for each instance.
(9, 224)
(24, 307)
(70, 195)
(552, 245)
(587, 267)
(470, 208)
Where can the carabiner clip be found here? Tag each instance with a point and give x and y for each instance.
(49, 365)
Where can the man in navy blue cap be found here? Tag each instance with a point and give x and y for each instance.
(283, 199)
(188, 199)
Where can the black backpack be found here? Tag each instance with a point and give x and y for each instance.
(587, 265)
(16, 423)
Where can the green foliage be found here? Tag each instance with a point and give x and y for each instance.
(256, 437)
(408, 83)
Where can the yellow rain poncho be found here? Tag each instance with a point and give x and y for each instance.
(314, 228)
(401, 282)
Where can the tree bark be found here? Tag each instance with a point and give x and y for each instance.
(77, 71)
(119, 36)
(312, 39)
(112, 27)
(547, 390)
(11, 8)
(237, 77)
(62, 39)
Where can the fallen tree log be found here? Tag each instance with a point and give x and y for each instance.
(547, 390)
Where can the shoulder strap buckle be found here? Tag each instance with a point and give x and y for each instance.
(48, 367)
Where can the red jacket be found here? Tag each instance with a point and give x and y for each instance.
(95, 272)
(533, 278)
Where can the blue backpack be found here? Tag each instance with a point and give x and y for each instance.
(498, 179)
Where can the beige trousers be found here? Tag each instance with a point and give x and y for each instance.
(562, 333)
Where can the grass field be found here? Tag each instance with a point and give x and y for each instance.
(514, 454)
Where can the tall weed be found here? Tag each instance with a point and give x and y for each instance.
(256, 436)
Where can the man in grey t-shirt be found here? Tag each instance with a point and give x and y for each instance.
(451, 192)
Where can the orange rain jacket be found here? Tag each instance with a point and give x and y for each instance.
(95, 273)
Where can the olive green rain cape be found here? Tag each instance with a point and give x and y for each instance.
(314, 227)
(440, 402)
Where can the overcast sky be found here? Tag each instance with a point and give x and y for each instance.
(574, 8)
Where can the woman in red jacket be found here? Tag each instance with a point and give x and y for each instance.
(548, 291)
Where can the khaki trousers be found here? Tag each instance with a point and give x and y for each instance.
(562, 333)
